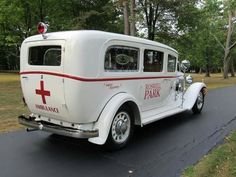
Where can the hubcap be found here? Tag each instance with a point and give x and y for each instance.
(200, 100)
(121, 127)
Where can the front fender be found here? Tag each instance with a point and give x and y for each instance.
(191, 94)
(106, 117)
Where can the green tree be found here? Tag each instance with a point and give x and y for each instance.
(18, 20)
(201, 41)
(166, 18)
(80, 14)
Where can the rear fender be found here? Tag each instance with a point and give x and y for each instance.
(104, 122)
(191, 94)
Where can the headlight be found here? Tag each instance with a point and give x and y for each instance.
(189, 79)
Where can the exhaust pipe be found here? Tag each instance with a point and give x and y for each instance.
(31, 129)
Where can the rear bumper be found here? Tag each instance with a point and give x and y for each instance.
(57, 129)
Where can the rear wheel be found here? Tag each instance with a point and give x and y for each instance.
(121, 130)
(197, 108)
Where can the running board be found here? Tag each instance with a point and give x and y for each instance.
(162, 115)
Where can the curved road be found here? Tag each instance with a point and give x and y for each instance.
(161, 149)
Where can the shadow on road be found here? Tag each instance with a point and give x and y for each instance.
(143, 136)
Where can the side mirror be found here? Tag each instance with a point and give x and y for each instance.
(185, 65)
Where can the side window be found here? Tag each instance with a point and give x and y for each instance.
(121, 58)
(153, 61)
(171, 66)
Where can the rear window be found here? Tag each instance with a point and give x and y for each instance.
(45, 55)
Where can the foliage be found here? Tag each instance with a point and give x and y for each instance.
(18, 20)
(196, 28)
(165, 19)
(204, 49)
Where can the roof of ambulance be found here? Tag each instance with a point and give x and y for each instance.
(88, 34)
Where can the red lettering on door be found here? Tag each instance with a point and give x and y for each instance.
(42, 92)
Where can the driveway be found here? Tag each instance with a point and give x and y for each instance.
(161, 149)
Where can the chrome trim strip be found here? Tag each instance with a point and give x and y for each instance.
(57, 129)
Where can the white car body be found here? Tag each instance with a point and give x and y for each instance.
(80, 96)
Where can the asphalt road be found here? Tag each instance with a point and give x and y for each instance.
(161, 149)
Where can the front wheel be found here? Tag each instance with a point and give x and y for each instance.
(121, 130)
(197, 108)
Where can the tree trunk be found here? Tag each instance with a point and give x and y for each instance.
(41, 10)
(227, 47)
(226, 69)
(126, 18)
(151, 14)
(152, 25)
(200, 71)
(207, 73)
(226, 64)
(132, 20)
(207, 63)
(232, 72)
(207, 69)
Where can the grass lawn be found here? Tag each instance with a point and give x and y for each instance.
(11, 105)
(215, 81)
(219, 163)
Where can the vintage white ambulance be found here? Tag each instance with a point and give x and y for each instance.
(99, 85)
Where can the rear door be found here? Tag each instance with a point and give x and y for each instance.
(42, 78)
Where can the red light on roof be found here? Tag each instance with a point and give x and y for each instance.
(42, 28)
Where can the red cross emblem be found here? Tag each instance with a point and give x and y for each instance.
(42, 92)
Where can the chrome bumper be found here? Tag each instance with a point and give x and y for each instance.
(57, 129)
